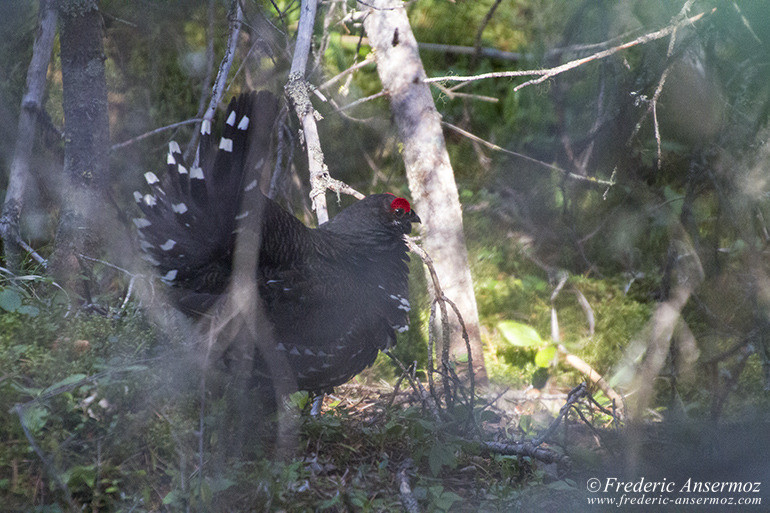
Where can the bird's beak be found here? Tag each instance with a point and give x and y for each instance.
(413, 217)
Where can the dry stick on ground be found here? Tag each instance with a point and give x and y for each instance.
(426, 399)
(408, 500)
(545, 74)
(131, 282)
(574, 396)
(575, 361)
(525, 449)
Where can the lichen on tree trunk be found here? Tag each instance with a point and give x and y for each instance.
(428, 169)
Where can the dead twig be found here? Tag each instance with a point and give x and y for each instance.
(492, 146)
(573, 397)
(408, 499)
(525, 449)
(355, 67)
(442, 301)
(426, 399)
(145, 135)
(545, 74)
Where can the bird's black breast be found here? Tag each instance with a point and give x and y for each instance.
(334, 309)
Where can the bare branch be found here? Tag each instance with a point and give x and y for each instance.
(206, 82)
(363, 100)
(454, 94)
(218, 90)
(145, 135)
(297, 89)
(477, 45)
(573, 176)
(369, 60)
(545, 74)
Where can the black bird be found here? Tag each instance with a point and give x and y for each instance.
(335, 294)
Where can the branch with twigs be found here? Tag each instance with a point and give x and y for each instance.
(442, 301)
(653, 103)
(545, 74)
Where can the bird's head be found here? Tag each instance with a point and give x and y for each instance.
(376, 213)
(400, 212)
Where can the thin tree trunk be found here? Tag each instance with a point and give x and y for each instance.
(87, 139)
(31, 105)
(430, 175)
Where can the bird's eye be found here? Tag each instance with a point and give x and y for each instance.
(399, 212)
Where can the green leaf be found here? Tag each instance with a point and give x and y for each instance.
(29, 310)
(519, 334)
(545, 356)
(525, 423)
(81, 477)
(172, 497)
(69, 380)
(10, 300)
(299, 399)
(34, 417)
(440, 455)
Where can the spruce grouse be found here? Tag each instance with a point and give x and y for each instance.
(335, 294)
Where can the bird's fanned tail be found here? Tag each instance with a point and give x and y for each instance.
(191, 212)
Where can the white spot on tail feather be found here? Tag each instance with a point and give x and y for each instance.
(244, 123)
(226, 144)
(250, 186)
(231, 119)
(169, 276)
(151, 178)
(141, 222)
(170, 160)
(173, 147)
(150, 259)
(181, 169)
(150, 200)
(166, 246)
(196, 173)
(179, 208)
(206, 127)
(137, 196)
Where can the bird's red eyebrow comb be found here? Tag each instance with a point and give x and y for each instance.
(400, 203)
